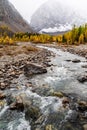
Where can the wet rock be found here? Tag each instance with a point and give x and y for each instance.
(42, 91)
(76, 61)
(10, 99)
(33, 113)
(65, 100)
(18, 104)
(2, 103)
(82, 105)
(50, 127)
(72, 116)
(2, 95)
(85, 127)
(70, 126)
(40, 120)
(28, 85)
(55, 118)
(84, 66)
(68, 60)
(82, 78)
(47, 64)
(13, 106)
(31, 69)
(86, 56)
(57, 94)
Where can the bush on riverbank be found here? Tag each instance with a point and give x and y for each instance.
(6, 40)
(78, 35)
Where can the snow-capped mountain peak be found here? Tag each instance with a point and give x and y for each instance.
(55, 15)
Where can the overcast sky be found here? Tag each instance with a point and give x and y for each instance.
(28, 7)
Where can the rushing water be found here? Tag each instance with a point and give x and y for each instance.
(61, 76)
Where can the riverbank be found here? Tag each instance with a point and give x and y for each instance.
(80, 50)
(13, 59)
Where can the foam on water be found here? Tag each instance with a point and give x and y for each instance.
(4, 110)
(46, 103)
(20, 124)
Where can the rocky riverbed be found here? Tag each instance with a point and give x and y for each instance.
(42, 88)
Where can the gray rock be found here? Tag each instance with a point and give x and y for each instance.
(82, 78)
(18, 104)
(82, 106)
(32, 69)
(33, 113)
(84, 66)
(76, 61)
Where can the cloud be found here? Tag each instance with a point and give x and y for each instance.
(28, 7)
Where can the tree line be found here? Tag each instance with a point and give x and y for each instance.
(78, 35)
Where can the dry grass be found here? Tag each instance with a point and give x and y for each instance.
(17, 49)
(30, 48)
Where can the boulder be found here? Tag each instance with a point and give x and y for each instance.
(18, 104)
(82, 78)
(32, 112)
(84, 66)
(76, 61)
(32, 69)
(82, 106)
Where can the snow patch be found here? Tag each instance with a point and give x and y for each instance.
(61, 28)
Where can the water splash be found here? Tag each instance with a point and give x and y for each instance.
(46, 104)
(4, 110)
(20, 124)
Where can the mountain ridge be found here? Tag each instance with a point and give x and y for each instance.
(10, 17)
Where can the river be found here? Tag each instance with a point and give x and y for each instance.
(61, 76)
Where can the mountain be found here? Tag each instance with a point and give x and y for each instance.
(55, 16)
(10, 17)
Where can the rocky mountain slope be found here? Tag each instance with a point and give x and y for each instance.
(55, 16)
(10, 17)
